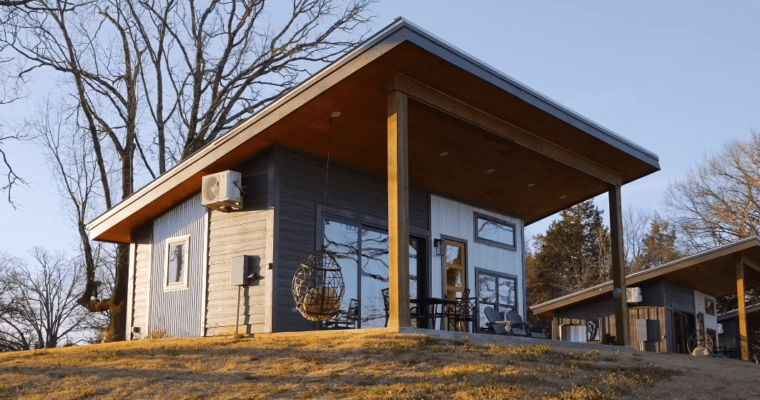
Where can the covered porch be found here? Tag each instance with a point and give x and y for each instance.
(424, 116)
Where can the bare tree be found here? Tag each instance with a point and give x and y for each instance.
(10, 91)
(181, 72)
(635, 223)
(40, 303)
(719, 201)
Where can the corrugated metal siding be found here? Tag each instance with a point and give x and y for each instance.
(301, 181)
(178, 312)
(141, 281)
(455, 219)
(245, 232)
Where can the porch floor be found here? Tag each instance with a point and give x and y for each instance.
(508, 340)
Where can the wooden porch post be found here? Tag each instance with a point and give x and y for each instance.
(742, 314)
(622, 334)
(398, 210)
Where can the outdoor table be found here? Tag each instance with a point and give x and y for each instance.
(428, 310)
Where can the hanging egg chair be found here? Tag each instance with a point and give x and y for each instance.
(318, 287)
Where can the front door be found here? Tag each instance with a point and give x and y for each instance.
(454, 269)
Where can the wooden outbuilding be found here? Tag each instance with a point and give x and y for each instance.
(427, 148)
(674, 298)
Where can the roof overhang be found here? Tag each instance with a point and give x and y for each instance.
(563, 157)
(711, 272)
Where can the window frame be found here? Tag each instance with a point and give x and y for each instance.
(180, 285)
(490, 242)
(598, 322)
(367, 222)
(711, 310)
(497, 275)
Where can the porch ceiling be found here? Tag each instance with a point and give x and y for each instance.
(358, 89)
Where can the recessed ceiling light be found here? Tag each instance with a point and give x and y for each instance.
(531, 184)
(491, 171)
(562, 197)
(335, 114)
(444, 153)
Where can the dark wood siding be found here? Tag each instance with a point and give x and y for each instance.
(678, 298)
(300, 179)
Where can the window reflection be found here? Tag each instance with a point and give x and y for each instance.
(355, 246)
(495, 231)
(374, 277)
(453, 255)
(176, 262)
(343, 241)
(497, 291)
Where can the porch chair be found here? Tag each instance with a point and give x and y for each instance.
(519, 327)
(514, 326)
(462, 313)
(415, 316)
(492, 316)
(345, 319)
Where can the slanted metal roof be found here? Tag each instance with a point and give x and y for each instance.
(712, 272)
(361, 77)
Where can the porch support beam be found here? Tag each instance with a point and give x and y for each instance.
(490, 123)
(742, 314)
(398, 210)
(622, 331)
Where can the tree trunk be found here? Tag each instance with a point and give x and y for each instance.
(118, 305)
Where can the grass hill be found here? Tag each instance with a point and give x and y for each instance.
(362, 365)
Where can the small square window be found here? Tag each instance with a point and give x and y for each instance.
(494, 232)
(176, 268)
(709, 306)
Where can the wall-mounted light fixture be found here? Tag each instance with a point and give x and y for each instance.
(438, 244)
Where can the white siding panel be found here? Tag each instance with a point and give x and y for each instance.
(139, 286)
(231, 235)
(453, 219)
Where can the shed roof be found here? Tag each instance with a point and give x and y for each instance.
(712, 272)
(357, 84)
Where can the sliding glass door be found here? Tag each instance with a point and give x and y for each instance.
(362, 253)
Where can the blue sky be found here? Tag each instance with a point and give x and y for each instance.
(678, 78)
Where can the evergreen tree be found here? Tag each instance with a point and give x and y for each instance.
(572, 255)
(659, 247)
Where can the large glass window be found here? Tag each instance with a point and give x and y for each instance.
(494, 232)
(362, 253)
(494, 290)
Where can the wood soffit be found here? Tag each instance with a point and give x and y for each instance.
(358, 89)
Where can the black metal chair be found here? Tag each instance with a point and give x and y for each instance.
(345, 319)
(462, 313)
(387, 304)
(413, 311)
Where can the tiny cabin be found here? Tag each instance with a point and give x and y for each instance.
(412, 162)
(666, 304)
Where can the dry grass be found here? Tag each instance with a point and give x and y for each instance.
(359, 365)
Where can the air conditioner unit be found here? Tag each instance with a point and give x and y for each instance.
(222, 191)
(633, 295)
